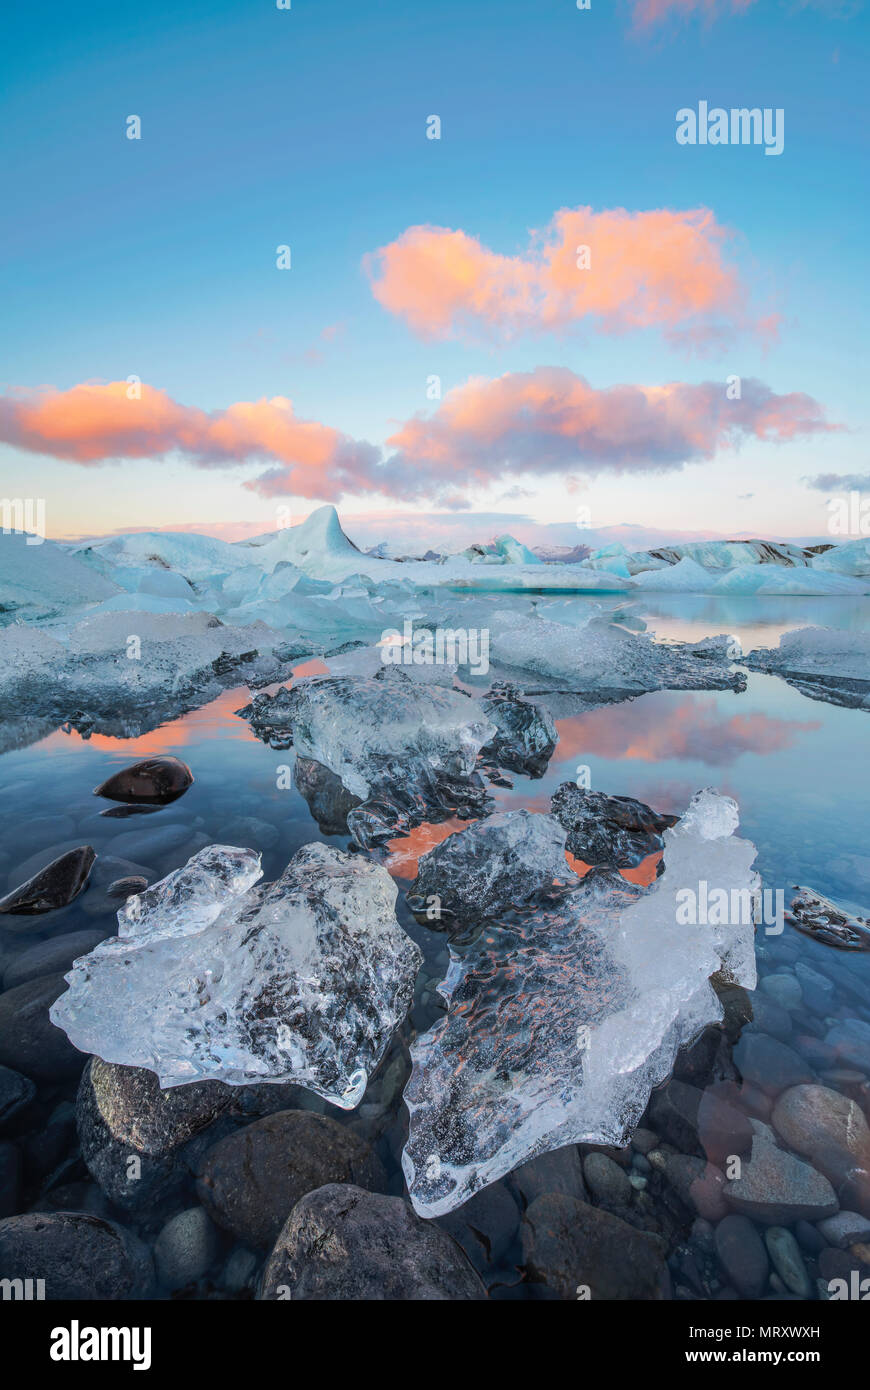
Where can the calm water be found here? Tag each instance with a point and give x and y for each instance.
(797, 767)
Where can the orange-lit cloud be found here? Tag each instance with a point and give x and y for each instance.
(658, 269)
(95, 422)
(550, 420)
(547, 421)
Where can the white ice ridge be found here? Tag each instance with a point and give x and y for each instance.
(215, 976)
(321, 550)
(39, 577)
(311, 577)
(561, 1021)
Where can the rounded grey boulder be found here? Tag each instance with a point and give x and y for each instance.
(130, 1130)
(250, 1181)
(77, 1255)
(342, 1243)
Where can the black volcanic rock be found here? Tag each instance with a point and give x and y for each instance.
(153, 782)
(54, 886)
(342, 1243)
(613, 830)
(526, 734)
(817, 916)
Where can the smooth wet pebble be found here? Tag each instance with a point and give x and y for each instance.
(787, 1260)
(186, 1248)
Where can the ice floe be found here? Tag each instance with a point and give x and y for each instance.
(825, 663)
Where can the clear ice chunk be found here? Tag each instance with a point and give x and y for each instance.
(494, 865)
(561, 1021)
(218, 977)
(372, 732)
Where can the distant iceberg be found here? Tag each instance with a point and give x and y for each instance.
(852, 557)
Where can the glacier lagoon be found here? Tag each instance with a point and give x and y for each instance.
(792, 763)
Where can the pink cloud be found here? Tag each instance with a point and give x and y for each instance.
(95, 422)
(547, 421)
(648, 12)
(658, 269)
(654, 730)
(551, 421)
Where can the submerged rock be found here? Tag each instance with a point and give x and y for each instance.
(614, 830)
(777, 1189)
(51, 957)
(79, 1256)
(58, 884)
(786, 1258)
(213, 976)
(344, 1244)
(186, 1248)
(16, 1093)
(124, 888)
(29, 1041)
(561, 1020)
(743, 1255)
(493, 865)
(153, 782)
(250, 1181)
(817, 916)
(814, 1119)
(580, 1251)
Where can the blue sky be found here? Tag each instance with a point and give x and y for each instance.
(306, 127)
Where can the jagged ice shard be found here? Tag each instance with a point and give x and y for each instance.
(561, 1021)
(215, 976)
